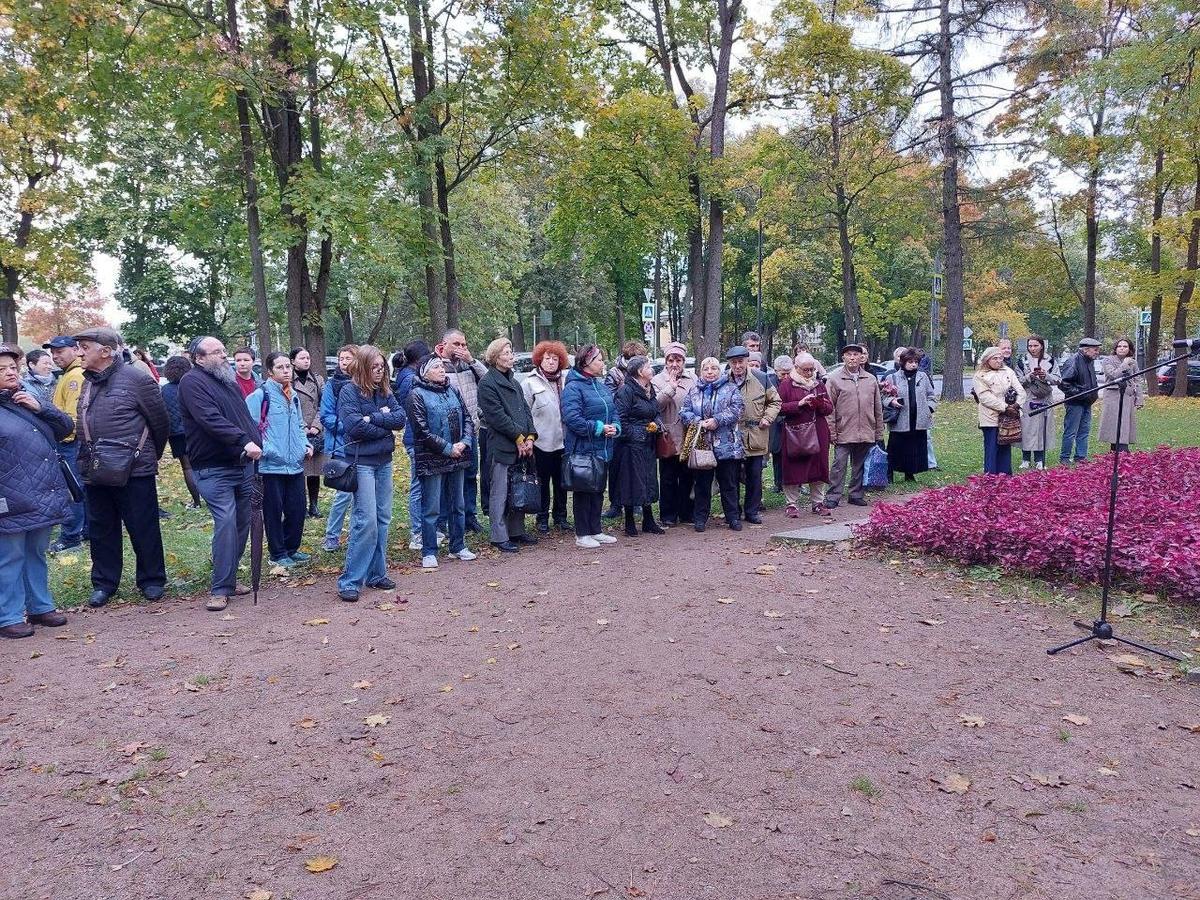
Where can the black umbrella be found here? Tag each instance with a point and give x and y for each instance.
(256, 531)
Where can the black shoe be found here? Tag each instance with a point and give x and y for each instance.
(383, 584)
(163, 514)
(98, 599)
(543, 526)
(699, 526)
(857, 501)
(473, 525)
(60, 547)
(17, 630)
(564, 525)
(153, 594)
(735, 525)
(313, 511)
(611, 513)
(910, 478)
(652, 527)
(506, 546)
(668, 523)
(525, 539)
(754, 520)
(348, 596)
(831, 504)
(631, 531)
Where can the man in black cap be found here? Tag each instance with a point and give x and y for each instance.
(856, 423)
(65, 352)
(124, 426)
(1079, 386)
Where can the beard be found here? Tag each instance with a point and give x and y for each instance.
(220, 369)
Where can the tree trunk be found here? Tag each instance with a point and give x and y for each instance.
(620, 312)
(453, 305)
(707, 342)
(347, 324)
(1156, 304)
(952, 371)
(853, 312)
(518, 336)
(314, 317)
(693, 293)
(1189, 287)
(262, 311)
(1093, 242)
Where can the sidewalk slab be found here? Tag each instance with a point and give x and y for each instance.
(831, 533)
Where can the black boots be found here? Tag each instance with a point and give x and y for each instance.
(649, 526)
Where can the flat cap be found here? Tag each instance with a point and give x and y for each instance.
(852, 348)
(737, 353)
(1089, 342)
(106, 336)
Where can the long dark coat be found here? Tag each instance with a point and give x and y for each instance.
(807, 468)
(636, 481)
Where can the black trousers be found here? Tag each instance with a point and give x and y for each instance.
(136, 507)
(283, 513)
(777, 471)
(587, 506)
(726, 474)
(549, 470)
(675, 482)
(485, 478)
(751, 474)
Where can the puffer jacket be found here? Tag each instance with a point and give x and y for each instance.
(170, 393)
(439, 419)
(503, 411)
(119, 404)
(857, 416)
(587, 406)
(33, 494)
(758, 403)
(720, 400)
(283, 439)
(544, 398)
(335, 436)
(990, 387)
(368, 422)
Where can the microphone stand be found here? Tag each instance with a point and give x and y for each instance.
(1101, 628)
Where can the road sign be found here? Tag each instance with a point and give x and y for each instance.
(648, 329)
(1145, 318)
(937, 285)
(648, 312)
(968, 345)
(968, 333)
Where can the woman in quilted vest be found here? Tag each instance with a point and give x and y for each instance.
(715, 405)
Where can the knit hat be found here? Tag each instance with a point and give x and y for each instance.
(675, 347)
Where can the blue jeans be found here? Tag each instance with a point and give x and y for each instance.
(337, 515)
(73, 530)
(415, 492)
(24, 576)
(447, 485)
(997, 458)
(226, 490)
(1077, 425)
(366, 554)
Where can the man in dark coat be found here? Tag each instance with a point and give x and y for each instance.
(122, 413)
(222, 442)
(1078, 385)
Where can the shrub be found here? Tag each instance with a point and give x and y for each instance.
(1052, 522)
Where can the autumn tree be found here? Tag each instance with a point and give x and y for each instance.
(45, 314)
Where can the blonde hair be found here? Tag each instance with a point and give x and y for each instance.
(360, 370)
(494, 349)
(709, 359)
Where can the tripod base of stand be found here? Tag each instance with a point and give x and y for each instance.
(1102, 630)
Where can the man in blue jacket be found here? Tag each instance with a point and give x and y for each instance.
(222, 441)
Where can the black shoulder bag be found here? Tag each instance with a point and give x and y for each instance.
(337, 473)
(110, 462)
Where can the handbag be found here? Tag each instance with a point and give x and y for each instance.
(1009, 425)
(110, 463)
(701, 458)
(584, 472)
(665, 446)
(876, 476)
(800, 439)
(524, 489)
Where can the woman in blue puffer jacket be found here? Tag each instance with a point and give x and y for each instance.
(275, 406)
(370, 418)
(590, 425)
(715, 406)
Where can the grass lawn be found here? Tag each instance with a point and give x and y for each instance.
(187, 536)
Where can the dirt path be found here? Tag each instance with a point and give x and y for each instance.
(565, 723)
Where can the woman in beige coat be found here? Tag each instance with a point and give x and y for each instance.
(1113, 368)
(997, 389)
(308, 386)
(675, 479)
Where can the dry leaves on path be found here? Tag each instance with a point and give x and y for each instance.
(726, 600)
(772, 614)
(972, 721)
(320, 864)
(259, 894)
(1077, 719)
(376, 720)
(1129, 662)
(931, 621)
(1048, 780)
(716, 820)
(766, 569)
(1191, 729)
(953, 783)
(307, 722)
(317, 622)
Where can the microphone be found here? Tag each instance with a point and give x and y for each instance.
(1191, 346)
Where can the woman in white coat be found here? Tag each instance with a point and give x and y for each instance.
(543, 393)
(998, 390)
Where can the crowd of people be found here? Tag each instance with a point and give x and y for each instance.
(81, 448)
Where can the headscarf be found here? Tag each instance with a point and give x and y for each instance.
(428, 363)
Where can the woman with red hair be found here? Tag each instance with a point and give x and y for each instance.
(543, 393)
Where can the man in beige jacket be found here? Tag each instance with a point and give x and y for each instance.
(761, 406)
(855, 424)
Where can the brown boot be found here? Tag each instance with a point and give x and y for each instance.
(240, 590)
(17, 630)
(216, 603)
(52, 619)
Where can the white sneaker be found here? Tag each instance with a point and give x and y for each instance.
(604, 538)
(414, 543)
(465, 555)
(586, 543)
(1040, 466)
(429, 562)
(442, 539)
(1024, 464)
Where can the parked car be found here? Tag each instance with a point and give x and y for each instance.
(1166, 378)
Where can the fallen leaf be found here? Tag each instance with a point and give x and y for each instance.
(376, 720)
(491, 660)
(117, 662)
(726, 600)
(130, 749)
(1047, 780)
(972, 721)
(1194, 831)
(1129, 662)
(320, 864)
(493, 584)
(386, 606)
(317, 622)
(307, 722)
(716, 820)
(953, 783)
(1192, 729)
(362, 685)
(812, 751)
(279, 572)
(602, 621)
(772, 614)
(932, 621)
(765, 570)
(376, 756)
(1105, 770)
(474, 629)
(446, 688)
(1077, 719)
(259, 894)
(514, 646)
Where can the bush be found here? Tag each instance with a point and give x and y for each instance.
(1052, 522)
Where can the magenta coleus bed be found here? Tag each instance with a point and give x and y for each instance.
(1052, 522)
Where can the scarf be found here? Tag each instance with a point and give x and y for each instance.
(801, 381)
(287, 391)
(302, 375)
